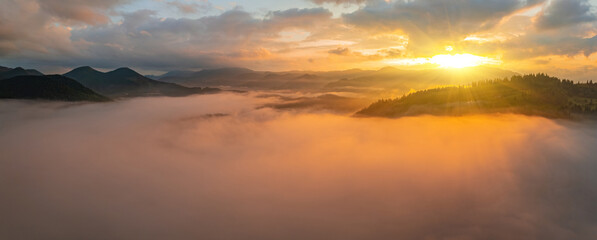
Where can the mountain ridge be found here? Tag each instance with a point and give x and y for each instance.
(47, 87)
(533, 94)
(6, 73)
(383, 81)
(125, 82)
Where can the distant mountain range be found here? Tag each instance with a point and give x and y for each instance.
(436, 91)
(389, 81)
(22, 83)
(530, 94)
(6, 73)
(124, 82)
(406, 80)
(242, 78)
(47, 87)
(385, 81)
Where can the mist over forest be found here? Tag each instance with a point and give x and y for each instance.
(223, 166)
(298, 120)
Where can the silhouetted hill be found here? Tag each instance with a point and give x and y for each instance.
(50, 87)
(6, 73)
(530, 94)
(124, 82)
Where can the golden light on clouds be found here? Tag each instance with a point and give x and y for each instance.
(447, 61)
(462, 60)
(164, 163)
(310, 119)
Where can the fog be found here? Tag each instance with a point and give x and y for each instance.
(225, 167)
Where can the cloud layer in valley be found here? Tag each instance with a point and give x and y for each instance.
(214, 166)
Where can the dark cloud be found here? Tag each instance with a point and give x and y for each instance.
(341, 51)
(562, 13)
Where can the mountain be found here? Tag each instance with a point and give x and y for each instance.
(246, 79)
(530, 94)
(177, 73)
(4, 69)
(6, 73)
(124, 82)
(385, 81)
(50, 87)
(207, 76)
(395, 81)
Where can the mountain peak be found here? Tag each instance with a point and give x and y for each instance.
(19, 71)
(124, 70)
(84, 69)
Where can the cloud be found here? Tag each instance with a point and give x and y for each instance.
(561, 13)
(517, 38)
(260, 53)
(432, 24)
(143, 39)
(215, 167)
(35, 29)
(545, 45)
(25, 26)
(372, 55)
(341, 51)
(296, 17)
(192, 7)
(64, 34)
(83, 11)
(340, 1)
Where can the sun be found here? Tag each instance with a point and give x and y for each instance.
(461, 60)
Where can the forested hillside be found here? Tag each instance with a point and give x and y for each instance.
(535, 94)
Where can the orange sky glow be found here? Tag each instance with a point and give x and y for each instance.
(527, 36)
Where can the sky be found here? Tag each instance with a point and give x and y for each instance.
(558, 37)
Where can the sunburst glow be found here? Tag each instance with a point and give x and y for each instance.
(461, 60)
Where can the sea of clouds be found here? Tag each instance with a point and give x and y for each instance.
(223, 167)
